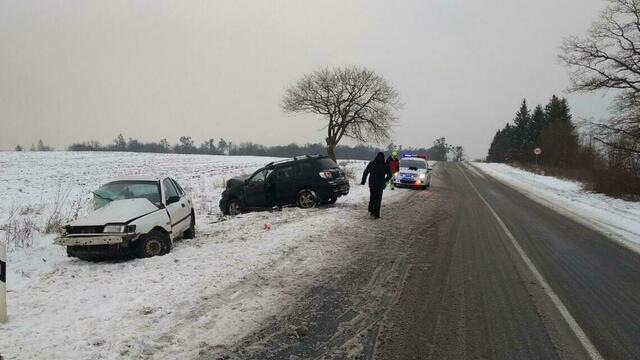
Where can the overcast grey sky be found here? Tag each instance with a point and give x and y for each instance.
(81, 70)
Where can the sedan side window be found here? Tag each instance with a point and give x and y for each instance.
(178, 187)
(169, 190)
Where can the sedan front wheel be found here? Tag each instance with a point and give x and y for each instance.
(152, 244)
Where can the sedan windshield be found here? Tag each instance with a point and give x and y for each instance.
(413, 164)
(120, 190)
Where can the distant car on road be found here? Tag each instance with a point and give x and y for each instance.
(139, 216)
(414, 172)
(305, 181)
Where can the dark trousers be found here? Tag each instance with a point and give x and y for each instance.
(375, 201)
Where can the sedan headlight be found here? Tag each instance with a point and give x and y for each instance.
(115, 228)
(423, 176)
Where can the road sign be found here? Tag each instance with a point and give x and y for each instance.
(537, 151)
(3, 281)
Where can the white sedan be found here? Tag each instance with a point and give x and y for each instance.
(139, 216)
(414, 172)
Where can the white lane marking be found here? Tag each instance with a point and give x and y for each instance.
(474, 171)
(573, 324)
(587, 221)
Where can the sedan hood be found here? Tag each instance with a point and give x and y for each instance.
(118, 211)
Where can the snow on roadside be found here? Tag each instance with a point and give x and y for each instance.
(205, 294)
(616, 218)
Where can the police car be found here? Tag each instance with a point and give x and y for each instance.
(414, 172)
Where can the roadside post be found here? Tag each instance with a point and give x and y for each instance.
(3, 281)
(537, 151)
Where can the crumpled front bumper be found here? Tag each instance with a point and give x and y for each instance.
(91, 240)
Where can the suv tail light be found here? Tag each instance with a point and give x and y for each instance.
(326, 174)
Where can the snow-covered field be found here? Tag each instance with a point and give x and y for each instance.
(615, 218)
(205, 294)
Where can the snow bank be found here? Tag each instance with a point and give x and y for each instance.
(615, 218)
(205, 294)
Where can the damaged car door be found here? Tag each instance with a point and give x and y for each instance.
(254, 193)
(177, 206)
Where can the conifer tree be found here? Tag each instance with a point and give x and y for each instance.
(538, 121)
(558, 138)
(521, 140)
(501, 149)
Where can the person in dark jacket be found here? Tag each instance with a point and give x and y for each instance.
(379, 174)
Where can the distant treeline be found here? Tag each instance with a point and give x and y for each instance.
(186, 145)
(564, 153)
(41, 146)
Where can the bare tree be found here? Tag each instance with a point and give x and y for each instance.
(458, 153)
(356, 102)
(609, 58)
(440, 150)
(622, 131)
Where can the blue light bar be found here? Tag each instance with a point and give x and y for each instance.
(414, 156)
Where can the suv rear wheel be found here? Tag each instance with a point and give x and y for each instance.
(307, 199)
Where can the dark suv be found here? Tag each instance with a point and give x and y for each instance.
(305, 181)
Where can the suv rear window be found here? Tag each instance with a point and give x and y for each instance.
(326, 163)
(284, 172)
(304, 168)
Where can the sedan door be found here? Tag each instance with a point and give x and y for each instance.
(183, 197)
(176, 205)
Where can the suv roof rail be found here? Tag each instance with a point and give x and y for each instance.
(278, 162)
(296, 158)
(307, 156)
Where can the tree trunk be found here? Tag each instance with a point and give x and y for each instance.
(331, 151)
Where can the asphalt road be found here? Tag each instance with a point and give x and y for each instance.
(470, 269)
